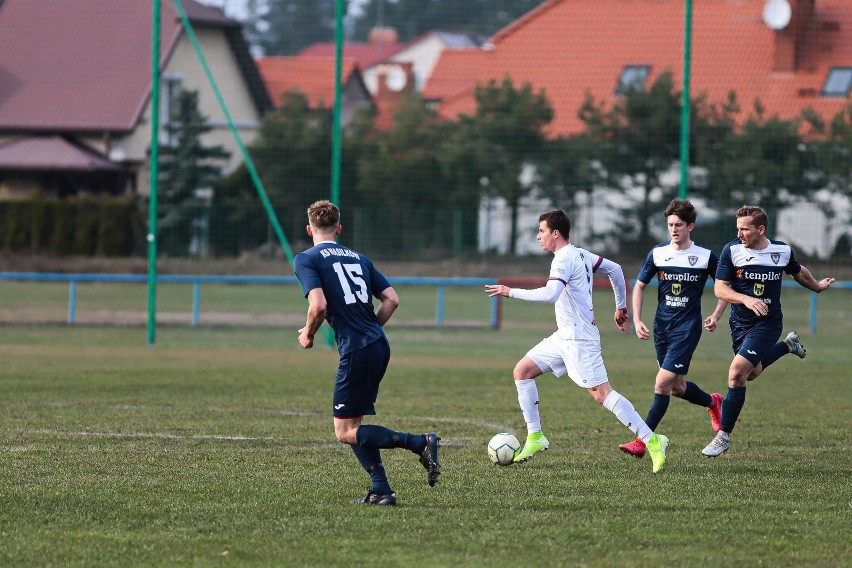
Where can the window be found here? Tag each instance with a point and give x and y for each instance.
(837, 83)
(632, 78)
(170, 87)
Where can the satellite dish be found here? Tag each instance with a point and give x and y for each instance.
(777, 14)
(395, 79)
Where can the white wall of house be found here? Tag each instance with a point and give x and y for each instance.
(423, 56)
(185, 66)
(810, 230)
(805, 225)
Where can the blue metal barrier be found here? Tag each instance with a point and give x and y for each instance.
(198, 280)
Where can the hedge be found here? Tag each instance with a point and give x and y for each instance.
(90, 226)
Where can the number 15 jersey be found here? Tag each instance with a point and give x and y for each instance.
(349, 281)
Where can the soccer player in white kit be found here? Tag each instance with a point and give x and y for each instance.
(575, 346)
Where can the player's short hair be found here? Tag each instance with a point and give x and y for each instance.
(557, 220)
(757, 214)
(324, 215)
(683, 209)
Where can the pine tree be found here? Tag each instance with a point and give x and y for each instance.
(188, 171)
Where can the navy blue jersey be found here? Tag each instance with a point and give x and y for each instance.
(349, 281)
(682, 275)
(756, 273)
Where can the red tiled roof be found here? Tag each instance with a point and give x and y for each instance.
(364, 54)
(567, 47)
(51, 153)
(83, 65)
(312, 76)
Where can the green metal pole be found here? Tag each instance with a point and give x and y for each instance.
(338, 73)
(684, 119)
(267, 204)
(153, 171)
(335, 123)
(264, 198)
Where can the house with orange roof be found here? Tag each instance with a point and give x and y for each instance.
(313, 76)
(569, 47)
(392, 70)
(75, 91)
(785, 55)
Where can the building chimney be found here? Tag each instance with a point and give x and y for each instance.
(383, 36)
(790, 41)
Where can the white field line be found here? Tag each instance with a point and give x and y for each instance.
(152, 435)
(389, 420)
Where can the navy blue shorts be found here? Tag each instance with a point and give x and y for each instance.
(754, 342)
(358, 378)
(675, 346)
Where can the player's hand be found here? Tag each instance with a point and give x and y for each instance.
(621, 318)
(496, 290)
(824, 284)
(305, 340)
(710, 323)
(642, 331)
(756, 305)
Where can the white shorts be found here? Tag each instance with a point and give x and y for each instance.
(582, 359)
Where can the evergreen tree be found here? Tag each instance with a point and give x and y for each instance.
(412, 18)
(505, 138)
(188, 171)
(285, 27)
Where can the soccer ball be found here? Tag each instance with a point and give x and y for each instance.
(503, 448)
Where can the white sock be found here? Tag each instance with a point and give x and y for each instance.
(528, 399)
(627, 415)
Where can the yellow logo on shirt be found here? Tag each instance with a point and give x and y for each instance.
(758, 289)
(676, 289)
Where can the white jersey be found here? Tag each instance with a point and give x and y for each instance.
(570, 287)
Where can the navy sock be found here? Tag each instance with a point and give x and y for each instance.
(695, 395)
(658, 409)
(372, 436)
(731, 407)
(371, 461)
(776, 352)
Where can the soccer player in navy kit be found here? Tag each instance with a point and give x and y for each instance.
(340, 284)
(749, 278)
(682, 268)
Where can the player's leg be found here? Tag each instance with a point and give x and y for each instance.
(380, 492)
(790, 344)
(356, 389)
(524, 374)
(623, 409)
(742, 369)
(374, 360)
(751, 347)
(659, 405)
(586, 368)
(353, 398)
(683, 342)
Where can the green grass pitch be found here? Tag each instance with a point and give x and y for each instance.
(216, 447)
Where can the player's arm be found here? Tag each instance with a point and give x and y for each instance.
(389, 302)
(806, 279)
(548, 293)
(711, 321)
(642, 331)
(723, 291)
(619, 288)
(316, 314)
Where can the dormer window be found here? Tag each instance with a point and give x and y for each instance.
(837, 83)
(632, 79)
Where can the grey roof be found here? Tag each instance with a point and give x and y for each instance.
(85, 65)
(51, 153)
